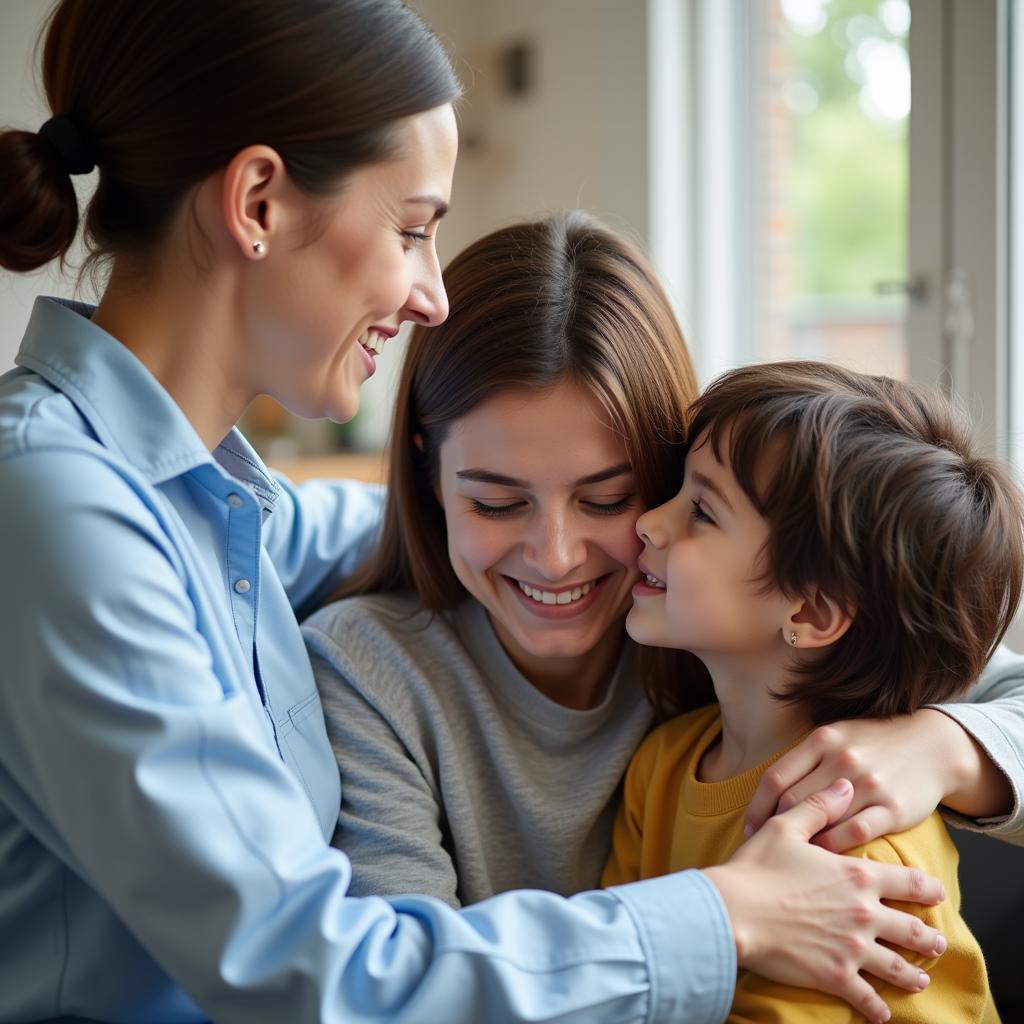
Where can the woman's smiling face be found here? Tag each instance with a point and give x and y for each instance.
(540, 503)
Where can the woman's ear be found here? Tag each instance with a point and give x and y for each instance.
(816, 621)
(252, 198)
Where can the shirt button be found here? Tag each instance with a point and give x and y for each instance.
(241, 586)
(235, 500)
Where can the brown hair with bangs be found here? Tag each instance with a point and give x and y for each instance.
(876, 495)
(532, 305)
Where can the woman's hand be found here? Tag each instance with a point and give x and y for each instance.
(901, 769)
(806, 917)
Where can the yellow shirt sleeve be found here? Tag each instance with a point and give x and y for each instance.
(958, 991)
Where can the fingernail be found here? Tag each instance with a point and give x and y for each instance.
(840, 787)
(940, 945)
(942, 893)
(922, 981)
(748, 831)
(888, 1015)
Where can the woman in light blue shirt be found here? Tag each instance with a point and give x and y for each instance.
(271, 176)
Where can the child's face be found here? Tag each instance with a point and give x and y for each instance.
(704, 549)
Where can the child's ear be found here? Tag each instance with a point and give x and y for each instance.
(816, 621)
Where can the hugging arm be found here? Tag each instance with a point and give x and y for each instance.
(968, 756)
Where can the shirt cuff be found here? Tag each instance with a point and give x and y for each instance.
(989, 735)
(686, 935)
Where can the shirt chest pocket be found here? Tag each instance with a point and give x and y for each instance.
(302, 739)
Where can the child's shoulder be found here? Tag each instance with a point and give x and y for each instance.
(927, 845)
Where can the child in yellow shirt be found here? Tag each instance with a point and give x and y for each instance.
(837, 551)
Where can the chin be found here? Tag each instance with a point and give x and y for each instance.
(342, 412)
(637, 632)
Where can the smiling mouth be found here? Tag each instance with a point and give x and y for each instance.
(373, 341)
(570, 595)
(653, 581)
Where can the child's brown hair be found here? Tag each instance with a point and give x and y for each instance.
(876, 495)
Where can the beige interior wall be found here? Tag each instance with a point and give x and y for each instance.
(22, 106)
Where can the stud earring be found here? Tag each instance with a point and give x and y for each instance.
(259, 248)
(792, 639)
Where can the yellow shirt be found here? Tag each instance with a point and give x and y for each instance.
(669, 821)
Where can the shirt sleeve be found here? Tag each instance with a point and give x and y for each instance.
(391, 819)
(318, 534)
(129, 757)
(992, 711)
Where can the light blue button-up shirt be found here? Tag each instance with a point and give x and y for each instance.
(166, 785)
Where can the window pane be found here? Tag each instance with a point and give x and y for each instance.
(831, 89)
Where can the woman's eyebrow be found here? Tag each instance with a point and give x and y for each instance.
(439, 205)
(605, 474)
(485, 476)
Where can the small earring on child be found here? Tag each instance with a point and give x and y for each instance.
(792, 639)
(259, 248)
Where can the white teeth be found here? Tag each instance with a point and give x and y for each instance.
(550, 597)
(373, 341)
(653, 581)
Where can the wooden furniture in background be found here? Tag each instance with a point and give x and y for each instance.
(368, 466)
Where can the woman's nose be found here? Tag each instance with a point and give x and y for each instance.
(555, 549)
(428, 301)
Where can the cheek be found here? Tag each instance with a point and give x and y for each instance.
(624, 545)
(389, 280)
(691, 574)
(476, 545)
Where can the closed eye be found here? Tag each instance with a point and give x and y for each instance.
(494, 511)
(610, 508)
(698, 514)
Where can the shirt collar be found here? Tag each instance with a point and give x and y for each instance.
(130, 411)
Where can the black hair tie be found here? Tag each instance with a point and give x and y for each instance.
(69, 143)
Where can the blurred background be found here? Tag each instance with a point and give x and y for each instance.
(820, 178)
(831, 179)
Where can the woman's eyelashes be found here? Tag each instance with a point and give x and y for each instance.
(611, 508)
(494, 511)
(415, 238)
(600, 508)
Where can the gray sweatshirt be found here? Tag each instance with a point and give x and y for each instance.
(460, 780)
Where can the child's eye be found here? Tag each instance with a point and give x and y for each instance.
(698, 514)
(494, 511)
(610, 508)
